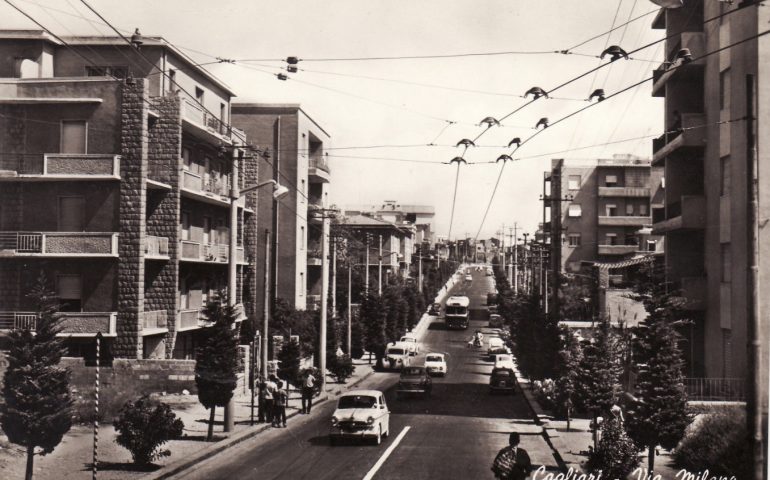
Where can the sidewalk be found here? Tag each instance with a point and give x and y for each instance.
(571, 447)
(72, 458)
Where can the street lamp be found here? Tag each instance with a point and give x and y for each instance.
(279, 190)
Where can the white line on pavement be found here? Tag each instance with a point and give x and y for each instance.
(387, 453)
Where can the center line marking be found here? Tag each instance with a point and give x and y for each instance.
(387, 453)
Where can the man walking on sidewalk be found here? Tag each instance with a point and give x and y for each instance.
(280, 400)
(308, 389)
(512, 462)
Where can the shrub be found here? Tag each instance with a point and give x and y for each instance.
(616, 456)
(545, 393)
(342, 368)
(289, 357)
(143, 428)
(717, 442)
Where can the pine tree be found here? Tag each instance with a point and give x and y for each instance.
(570, 356)
(599, 377)
(616, 455)
(373, 318)
(289, 356)
(660, 417)
(36, 411)
(216, 360)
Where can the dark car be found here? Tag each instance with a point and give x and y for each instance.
(502, 380)
(414, 380)
(435, 309)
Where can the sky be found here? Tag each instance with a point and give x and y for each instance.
(397, 112)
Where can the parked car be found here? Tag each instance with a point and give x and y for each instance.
(411, 344)
(492, 309)
(469, 278)
(504, 360)
(360, 414)
(495, 321)
(490, 272)
(397, 356)
(496, 345)
(414, 380)
(435, 309)
(502, 380)
(435, 364)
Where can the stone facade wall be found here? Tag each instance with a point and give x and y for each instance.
(163, 216)
(133, 198)
(249, 292)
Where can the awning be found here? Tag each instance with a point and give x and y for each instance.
(624, 263)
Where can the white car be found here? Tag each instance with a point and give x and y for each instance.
(496, 345)
(435, 364)
(504, 360)
(469, 278)
(360, 414)
(397, 356)
(412, 343)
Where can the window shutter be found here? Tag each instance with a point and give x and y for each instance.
(68, 287)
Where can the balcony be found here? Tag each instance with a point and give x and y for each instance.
(691, 140)
(715, 389)
(156, 248)
(314, 257)
(687, 214)
(636, 192)
(319, 169)
(59, 166)
(192, 318)
(624, 221)
(617, 249)
(206, 188)
(154, 322)
(208, 253)
(315, 213)
(58, 244)
(72, 324)
(314, 302)
(696, 42)
(203, 124)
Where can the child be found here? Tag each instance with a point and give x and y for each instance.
(281, 400)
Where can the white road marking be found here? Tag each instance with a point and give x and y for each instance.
(387, 453)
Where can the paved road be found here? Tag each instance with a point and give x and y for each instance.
(454, 434)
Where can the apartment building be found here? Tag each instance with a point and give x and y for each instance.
(706, 220)
(596, 210)
(121, 185)
(388, 242)
(421, 216)
(297, 144)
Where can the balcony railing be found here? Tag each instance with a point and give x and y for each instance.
(692, 136)
(72, 324)
(190, 318)
(215, 253)
(60, 165)
(59, 244)
(320, 162)
(687, 214)
(617, 249)
(155, 319)
(194, 113)
(206, 184)
(624, 221)
(696, 43)
(156, 247)
(715, 389)
(643, 192)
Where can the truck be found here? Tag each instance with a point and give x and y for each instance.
(456, 312)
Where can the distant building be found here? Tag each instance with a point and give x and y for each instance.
(297, 145)
(600, 210)
(421, 216)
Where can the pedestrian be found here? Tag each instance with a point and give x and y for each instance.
(512, 462)
(262, 386)
(270, 388)
(308, 389)
(281, 399)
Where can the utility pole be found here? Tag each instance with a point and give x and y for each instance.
(754, 350)
(334, 275)
(515, 280)
(324, 297)
(350, 308)
(266, 320)
(366, 277)
(503, 245)
(419, 269)
(526, 265)
(512, 236)
(379, 270)
(232, 268)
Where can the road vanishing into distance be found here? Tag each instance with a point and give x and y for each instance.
(453, 434)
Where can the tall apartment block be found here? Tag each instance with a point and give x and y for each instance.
(121, 185)
(706, 220)
(596, 210)
(296, 144)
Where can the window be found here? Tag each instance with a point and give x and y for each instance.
(652, 245)
(611, 210)
(611, 180)
(573, 182)
(612, 239)
(630, 209)
(724, 177)
(69, 292)
(724, 89)
(185, 225)
(171, 79)
(302, 237)
(643, 210)
(107, 71)
(187, 158)
(574, 239)
(206, 230)
(74, 136)
(72, 214)
(199, 95)
(303, 192)
(574, 210)
(727, 263)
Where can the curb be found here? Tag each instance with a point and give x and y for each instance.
(236, 438)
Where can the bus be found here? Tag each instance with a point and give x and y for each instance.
(456, 312)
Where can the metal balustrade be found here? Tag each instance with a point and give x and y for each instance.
(715, 389)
